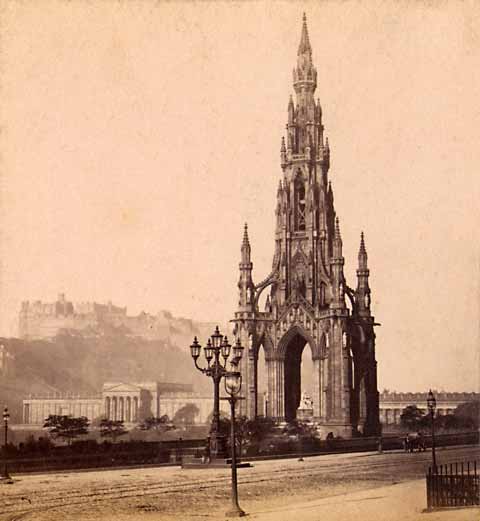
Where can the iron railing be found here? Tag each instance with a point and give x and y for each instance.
(454, 485)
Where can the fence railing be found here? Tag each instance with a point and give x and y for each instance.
(454, 485)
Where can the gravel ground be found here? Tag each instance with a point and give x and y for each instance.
(208, 504)
(166, 494)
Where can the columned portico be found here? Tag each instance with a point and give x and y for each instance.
(123, 401)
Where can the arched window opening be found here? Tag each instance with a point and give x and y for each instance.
(299, 196)
(323, 293)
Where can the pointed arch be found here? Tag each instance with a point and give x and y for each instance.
(266, 342)
(290, 334)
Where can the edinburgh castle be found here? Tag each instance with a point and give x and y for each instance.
(43, 320)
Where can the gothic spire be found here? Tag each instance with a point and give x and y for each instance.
(283, 154)
(362, 294)
(305, 74)
(304, 46)
(337, 240)
(246, 242)
(245, 263)
(245, 284)
(337, 229)
(362, 254)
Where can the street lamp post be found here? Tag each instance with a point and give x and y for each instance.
(432, 404)
(233, 384)
(216, 346)
(6, 417)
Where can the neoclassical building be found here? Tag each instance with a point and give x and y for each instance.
(310, 302)
(133, 402)
(392, 404)
(128, 402)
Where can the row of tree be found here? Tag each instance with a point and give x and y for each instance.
(68, 428)
(65, 427)
(465, 416)
(249, 433)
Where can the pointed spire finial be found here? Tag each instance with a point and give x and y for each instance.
(362, 255)
(362, 244)
(337, 228)
(283, 149)
(245, 234)
(304, 40)
(245, 249)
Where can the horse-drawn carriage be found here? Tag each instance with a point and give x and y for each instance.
(414, 440)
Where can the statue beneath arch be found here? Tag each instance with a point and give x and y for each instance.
(307, 291)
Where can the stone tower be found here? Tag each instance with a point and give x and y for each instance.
(309, 301)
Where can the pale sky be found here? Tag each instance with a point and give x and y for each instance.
(138, 137)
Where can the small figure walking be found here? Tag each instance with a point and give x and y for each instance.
(206, 455)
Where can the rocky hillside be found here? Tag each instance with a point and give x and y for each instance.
(80, 362)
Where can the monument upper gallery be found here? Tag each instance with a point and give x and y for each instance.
(309, 302)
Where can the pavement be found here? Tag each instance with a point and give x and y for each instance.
(400, 502)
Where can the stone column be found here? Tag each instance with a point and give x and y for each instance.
(252, 381)
(317, 387)
(272, 385)
(269, 400)
(135, 409)
(325, 406)
(382, 415)
(129, 409)
(244, 406)
(279, 389)
(346, 379)
(334, 370)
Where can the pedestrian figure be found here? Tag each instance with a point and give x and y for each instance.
(206, 455)
(380, 445)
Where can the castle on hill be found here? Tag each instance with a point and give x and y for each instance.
(43, 320)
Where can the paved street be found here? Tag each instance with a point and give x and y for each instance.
(334, 487)
(401, 502)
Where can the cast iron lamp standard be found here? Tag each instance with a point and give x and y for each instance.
(6, 476)
(432, 404)
(233, 384)
(216, 346)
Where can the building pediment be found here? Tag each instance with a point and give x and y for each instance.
(120, 387)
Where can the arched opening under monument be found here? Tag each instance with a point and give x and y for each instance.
(298, 375)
